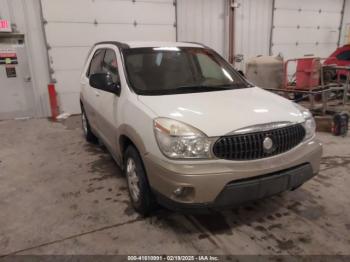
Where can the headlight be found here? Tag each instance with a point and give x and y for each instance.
(309, 124)
(180, 141)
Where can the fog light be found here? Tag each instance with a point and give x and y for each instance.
(184, 192)
(179, 191)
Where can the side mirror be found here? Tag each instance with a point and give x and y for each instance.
(105, 82)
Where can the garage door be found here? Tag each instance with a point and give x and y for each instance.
(72, 27)
(303, 27)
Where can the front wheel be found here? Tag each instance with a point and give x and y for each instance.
(140, 193)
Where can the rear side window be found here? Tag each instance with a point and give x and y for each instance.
(96, 62)
(344, 56)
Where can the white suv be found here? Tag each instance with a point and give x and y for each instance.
(189, 131)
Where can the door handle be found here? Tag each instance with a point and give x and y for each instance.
(97, 93)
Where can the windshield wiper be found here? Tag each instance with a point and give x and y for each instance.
(204, 87)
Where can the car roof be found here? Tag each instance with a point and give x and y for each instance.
(141, 44)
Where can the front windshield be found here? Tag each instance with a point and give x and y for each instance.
(176, 70)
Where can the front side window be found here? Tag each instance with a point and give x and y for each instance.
(172, 70)
(110, 65)
(96, 62)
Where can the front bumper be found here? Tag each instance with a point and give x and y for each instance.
(246, 190)
(215, 181)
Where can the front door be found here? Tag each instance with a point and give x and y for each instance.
(92, 95)
(17, 97)
(108, 104)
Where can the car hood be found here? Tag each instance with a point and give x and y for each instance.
(221, 112)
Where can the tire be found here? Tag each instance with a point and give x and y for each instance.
(88, 134)
(140, 193)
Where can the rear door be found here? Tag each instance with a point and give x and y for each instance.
(92, 95)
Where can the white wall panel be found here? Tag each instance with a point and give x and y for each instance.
(252, 28)
(305, 36)
(306, 27)
(310, 5)
(293, 18)
(72, 27)
(203, 21)
(110, 11)
(62, 56)
(83, 35)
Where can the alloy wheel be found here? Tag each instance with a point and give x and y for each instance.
(133, 180)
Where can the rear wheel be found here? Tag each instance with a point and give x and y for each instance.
(88, 134)
(140, 193)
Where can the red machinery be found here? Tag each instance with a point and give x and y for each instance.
(340, 57)
(306, 79)
(306, 76)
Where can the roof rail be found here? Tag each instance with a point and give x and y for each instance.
(196, 43)
(118, 44)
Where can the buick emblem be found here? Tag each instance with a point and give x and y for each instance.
(268, 145)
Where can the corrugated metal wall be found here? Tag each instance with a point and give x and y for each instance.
(206, 21)
(203, 21)
(252, 28)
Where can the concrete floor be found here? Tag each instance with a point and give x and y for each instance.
(60, 195)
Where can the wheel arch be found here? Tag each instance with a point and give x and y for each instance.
(124, 143)
(128, 136)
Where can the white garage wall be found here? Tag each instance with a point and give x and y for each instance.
(252, 29)
(306, 27)
(72, 27)
(203, 21)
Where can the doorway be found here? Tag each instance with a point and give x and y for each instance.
(16, 89)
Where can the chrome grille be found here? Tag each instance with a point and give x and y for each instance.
(250, 146)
